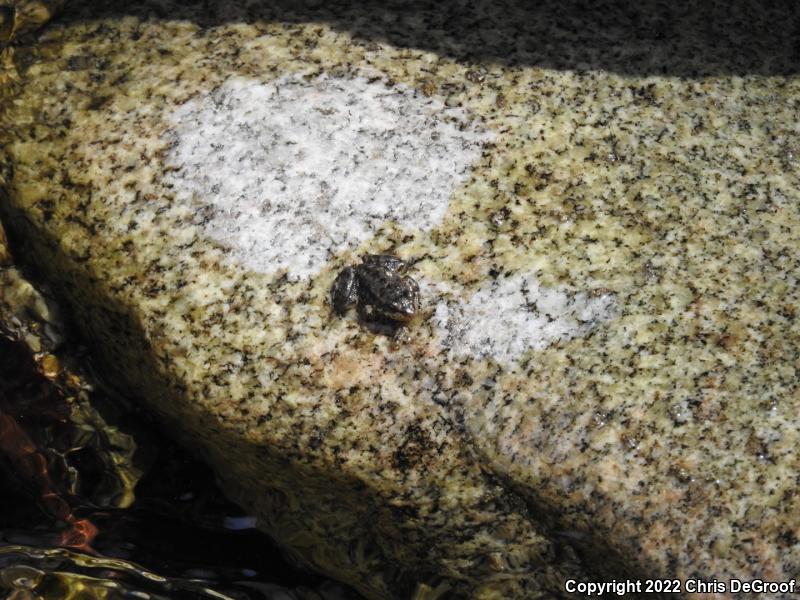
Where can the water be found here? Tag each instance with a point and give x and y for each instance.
(89, 511)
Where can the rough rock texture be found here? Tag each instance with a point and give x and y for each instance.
(603, 380)
(18, 19)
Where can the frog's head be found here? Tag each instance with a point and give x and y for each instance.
(387, 262)
(401, 302)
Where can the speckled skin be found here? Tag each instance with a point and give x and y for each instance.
(378, 288)
(663, 443)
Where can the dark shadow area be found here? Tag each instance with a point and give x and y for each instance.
(649, 37)
(55, 492)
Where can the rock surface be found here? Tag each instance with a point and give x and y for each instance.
(601, 207)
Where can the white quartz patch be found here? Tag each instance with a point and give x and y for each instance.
(508, 316)
(297, 169)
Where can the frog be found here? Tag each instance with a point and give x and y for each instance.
(379, 289)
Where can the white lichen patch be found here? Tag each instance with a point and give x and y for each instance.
(508, 316)
(298, 169)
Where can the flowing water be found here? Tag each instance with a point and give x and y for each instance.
(88, 511)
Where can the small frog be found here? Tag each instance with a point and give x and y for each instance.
(379, 290)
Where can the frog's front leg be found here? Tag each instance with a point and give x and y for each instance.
(344, 291)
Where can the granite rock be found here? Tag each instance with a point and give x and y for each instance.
(600, 204)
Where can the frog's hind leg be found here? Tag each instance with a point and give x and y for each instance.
(344, 291)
